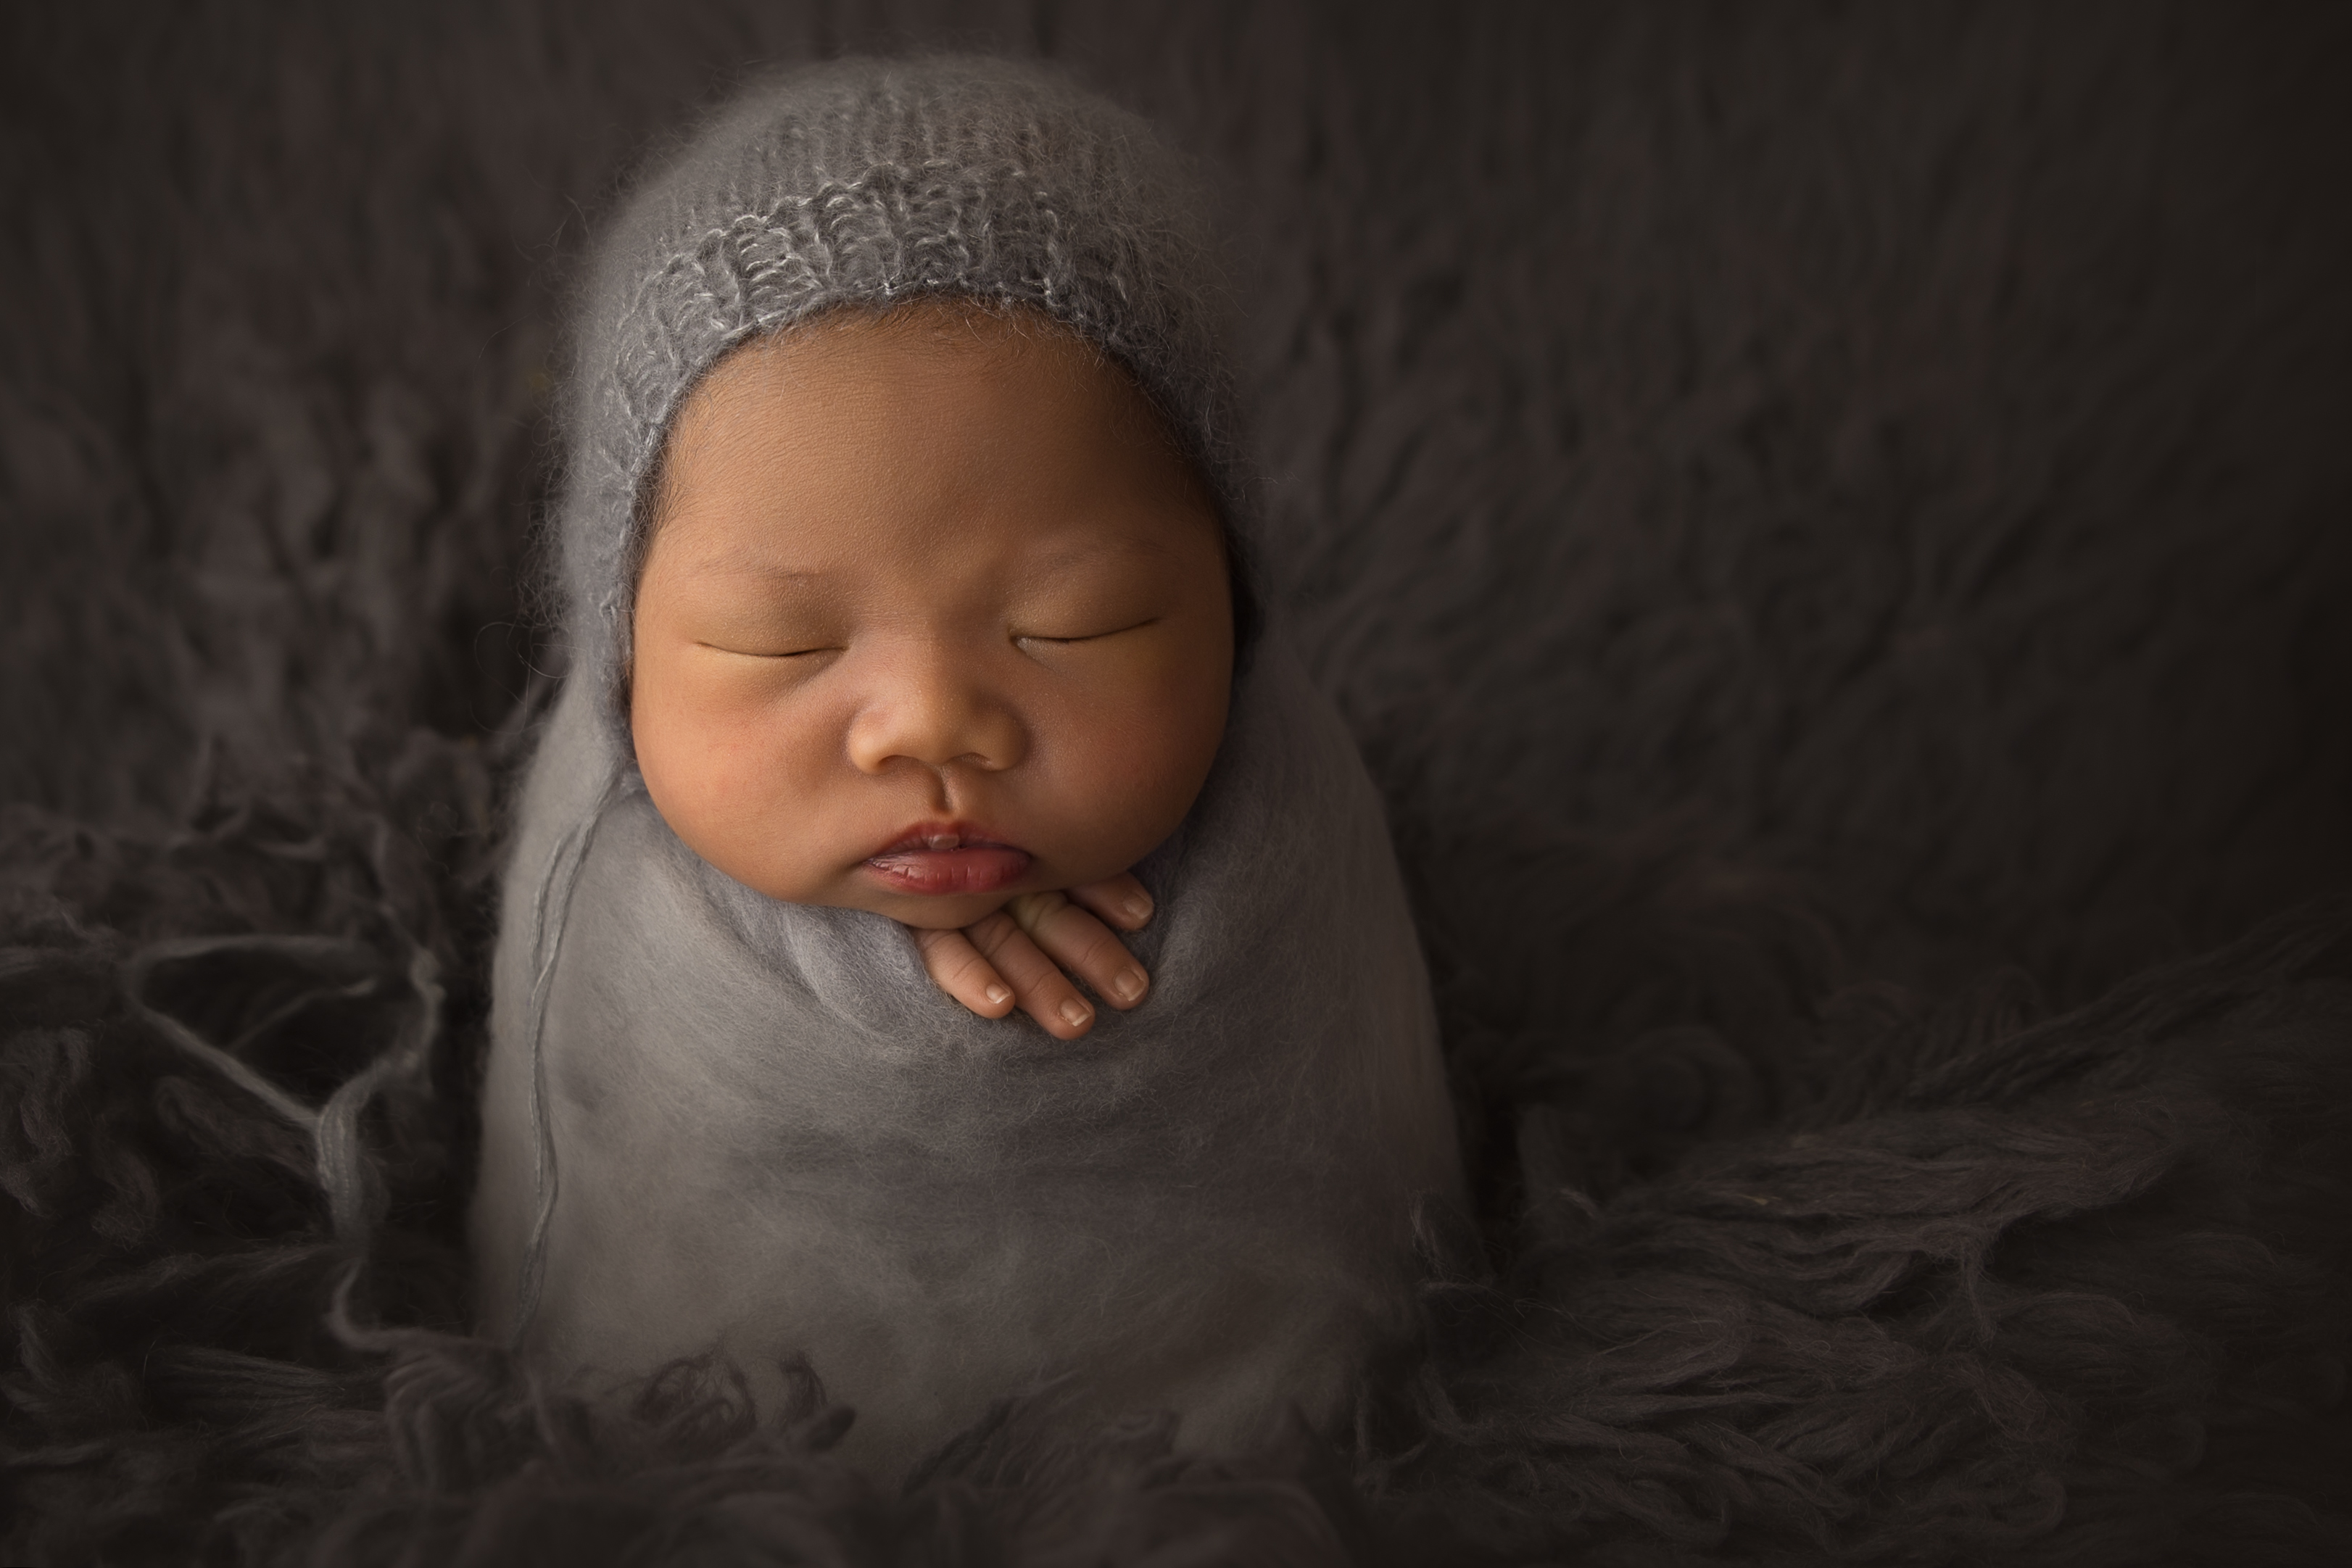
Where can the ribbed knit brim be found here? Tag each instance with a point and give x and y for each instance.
(867, 183)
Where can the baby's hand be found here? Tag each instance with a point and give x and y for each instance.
(1010, 959)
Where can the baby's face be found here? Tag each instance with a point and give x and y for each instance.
(933, 614)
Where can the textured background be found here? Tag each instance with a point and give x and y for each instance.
(1792, 497)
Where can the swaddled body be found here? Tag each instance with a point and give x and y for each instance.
(717, 1118)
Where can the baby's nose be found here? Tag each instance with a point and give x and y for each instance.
(929, 709)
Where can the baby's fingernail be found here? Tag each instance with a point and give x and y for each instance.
(1137, 909)
(1129, 987)
(998, 995)
(1074, 1012)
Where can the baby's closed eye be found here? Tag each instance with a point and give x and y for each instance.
(1068, 638)
(769, 648)
(727, 619)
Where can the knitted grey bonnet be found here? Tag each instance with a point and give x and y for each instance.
(868, 182)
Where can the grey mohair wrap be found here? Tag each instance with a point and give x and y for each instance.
(713, 1121)
(868, 182)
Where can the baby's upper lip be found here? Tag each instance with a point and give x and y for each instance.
(958, 835)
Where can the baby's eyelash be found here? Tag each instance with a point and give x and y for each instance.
(748, 654)
(1088, 637)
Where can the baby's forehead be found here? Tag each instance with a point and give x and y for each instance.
(861, 401)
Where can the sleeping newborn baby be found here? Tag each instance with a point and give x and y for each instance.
(914, 660)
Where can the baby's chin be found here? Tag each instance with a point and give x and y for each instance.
(929, 912)
(937, 914)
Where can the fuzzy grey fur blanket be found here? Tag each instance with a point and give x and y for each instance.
(1824, 521)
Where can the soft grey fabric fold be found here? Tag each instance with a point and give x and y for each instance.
(769, 1134)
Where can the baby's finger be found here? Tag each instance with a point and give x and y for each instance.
(1044, 992)
(1082, 944)
(956, 967)
(1118, 899)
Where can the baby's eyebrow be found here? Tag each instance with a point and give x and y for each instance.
(744, 563)
(1077, 552)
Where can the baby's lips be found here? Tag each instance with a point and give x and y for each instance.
(977, 868)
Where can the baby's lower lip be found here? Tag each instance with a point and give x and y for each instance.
(979, 868)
